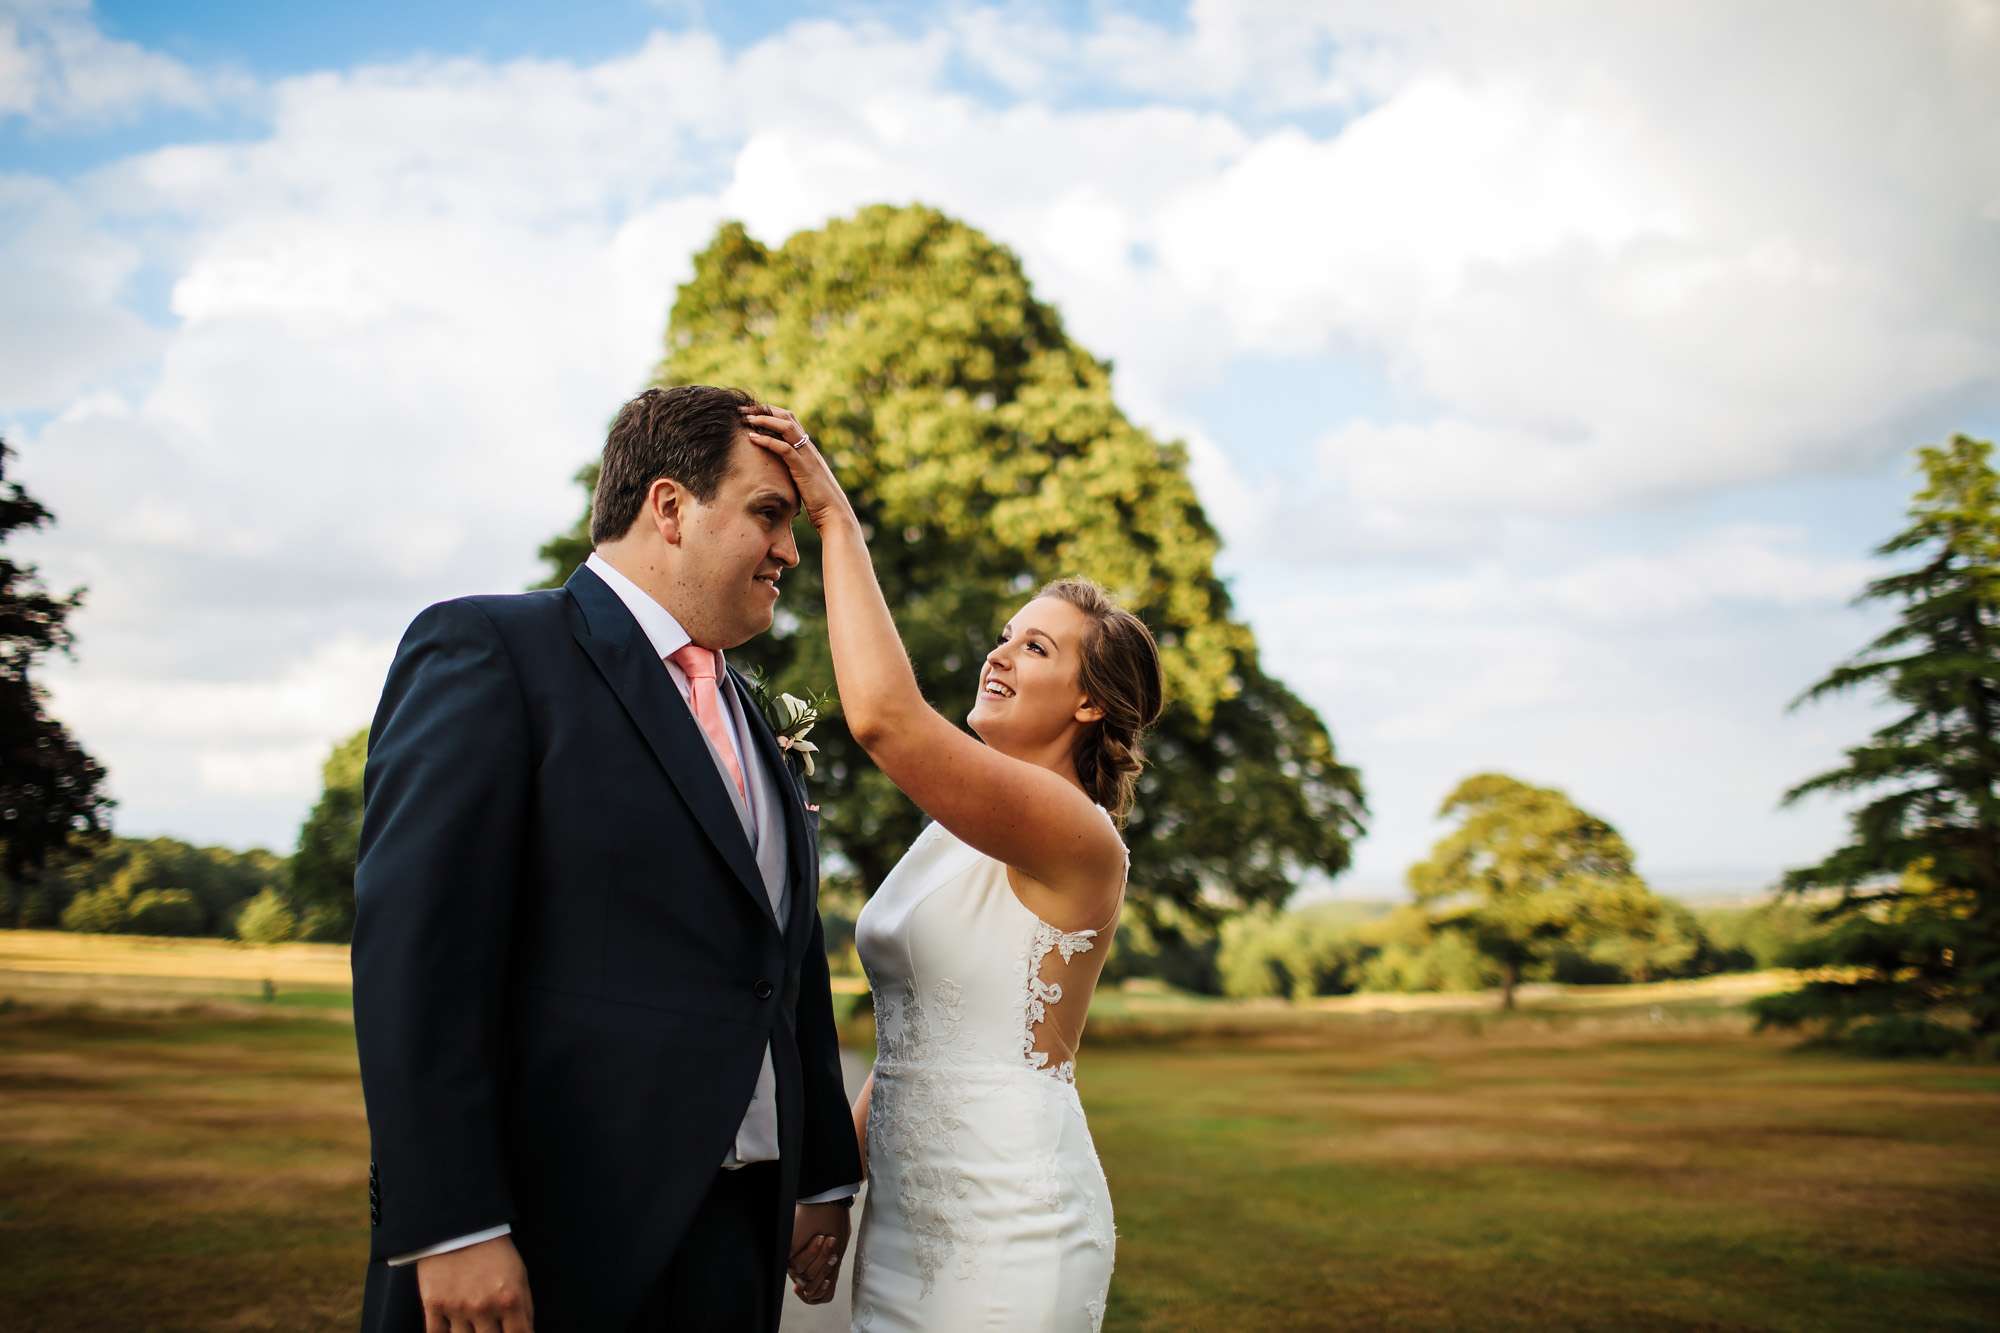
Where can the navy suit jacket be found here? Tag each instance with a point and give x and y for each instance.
(566, 967)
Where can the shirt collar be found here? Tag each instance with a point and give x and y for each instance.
(662, 630)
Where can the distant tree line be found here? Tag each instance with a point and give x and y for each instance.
(1331, 949)
(135, 886)
(163, 886)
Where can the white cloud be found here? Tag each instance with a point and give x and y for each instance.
(222, 756)
(1626, 255)
(65, 326)
(1743, 565)
(1653, 690)
(58, 69)
(1598, 288)
(320, 688)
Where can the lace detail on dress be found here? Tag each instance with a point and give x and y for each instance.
(912, 1028)
(917, 1116)
(1095, 1310)
(1121, 839)
(863, 1309)
(1042, 994)
(1093, 1222)
(1045, 1186)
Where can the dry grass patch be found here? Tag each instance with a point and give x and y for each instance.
(180, 1173)
(109, 956)
(1534, 1176)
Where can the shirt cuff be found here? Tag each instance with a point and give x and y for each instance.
(447, 1246)
(831, 1196)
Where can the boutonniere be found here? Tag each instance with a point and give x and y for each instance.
(791, 717)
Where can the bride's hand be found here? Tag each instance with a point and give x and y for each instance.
(777, 430)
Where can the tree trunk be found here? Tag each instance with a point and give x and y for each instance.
(1513, 979)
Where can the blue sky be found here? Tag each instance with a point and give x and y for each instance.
(1548, 409)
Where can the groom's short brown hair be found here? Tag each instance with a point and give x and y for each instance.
(684, 433)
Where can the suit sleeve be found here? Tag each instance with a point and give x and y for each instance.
(446, 791)
(831, 1159)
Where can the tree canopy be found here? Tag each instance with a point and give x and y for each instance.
(51, 791)
(322, 869)
(985, 455)
(1528, 875)
(1913, 928)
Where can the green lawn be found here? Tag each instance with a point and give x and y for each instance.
(1607, 1169)
(180, 1172)
(1545, 1173)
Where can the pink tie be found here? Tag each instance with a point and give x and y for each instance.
(698, 664)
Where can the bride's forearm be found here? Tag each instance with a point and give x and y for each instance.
(861, 1121)
(877, 686)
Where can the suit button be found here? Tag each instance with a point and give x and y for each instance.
(763, 989)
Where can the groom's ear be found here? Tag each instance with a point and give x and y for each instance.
(664, 501)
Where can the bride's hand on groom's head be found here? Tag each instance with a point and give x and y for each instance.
(775, 429)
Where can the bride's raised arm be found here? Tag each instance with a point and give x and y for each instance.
(1015, 810)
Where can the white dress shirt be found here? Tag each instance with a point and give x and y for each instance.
(757, 1137)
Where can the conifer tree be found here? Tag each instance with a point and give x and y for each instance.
(1913, 938)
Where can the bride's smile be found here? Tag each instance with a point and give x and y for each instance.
(1029, 697)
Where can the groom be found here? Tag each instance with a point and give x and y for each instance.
(590, 988)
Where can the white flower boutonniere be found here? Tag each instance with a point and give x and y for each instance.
(792, 718)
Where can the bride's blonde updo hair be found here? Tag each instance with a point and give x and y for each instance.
(1121, 675)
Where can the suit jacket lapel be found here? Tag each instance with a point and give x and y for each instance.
(625, 658)
(798, 844)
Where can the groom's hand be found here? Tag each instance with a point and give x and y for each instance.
(819, 1239)
(482, 1288)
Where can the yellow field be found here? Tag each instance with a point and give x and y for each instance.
(141, 973)
(138, 973)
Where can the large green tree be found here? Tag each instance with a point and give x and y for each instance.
(985, 454)
(322, 872)
(1913, 925)
(1527, 876)
(51, 791)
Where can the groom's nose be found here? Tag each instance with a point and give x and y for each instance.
(786, 549)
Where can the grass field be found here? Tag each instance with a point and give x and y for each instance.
(1587, 1163)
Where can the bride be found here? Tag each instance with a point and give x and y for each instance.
(987, 1207)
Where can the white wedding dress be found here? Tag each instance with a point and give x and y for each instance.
(986, 1206)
